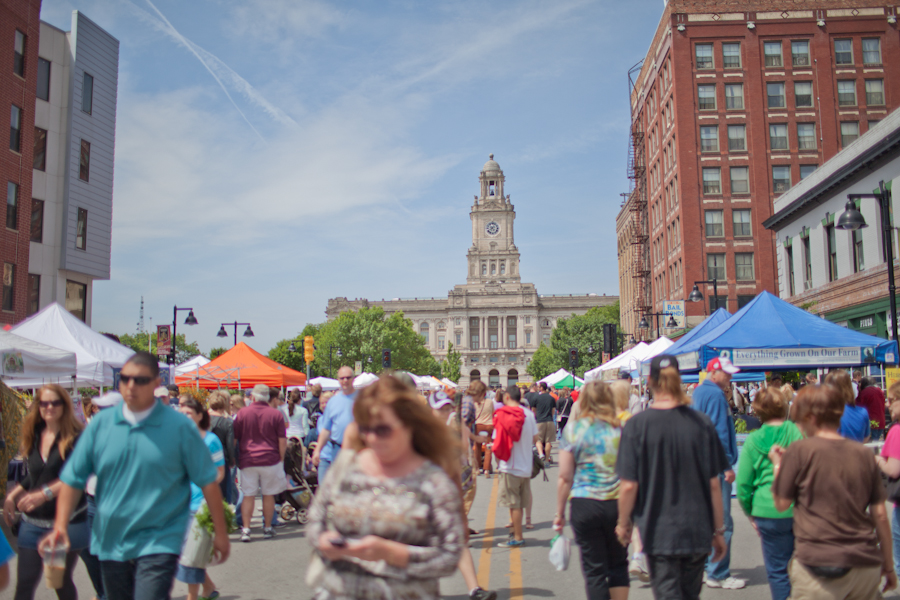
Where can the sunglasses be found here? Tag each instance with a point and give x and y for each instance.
(380, 431)
(343, 378)
(139, 380)
(51, 403)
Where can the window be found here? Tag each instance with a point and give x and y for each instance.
(458, 339)
(87, 96)
(871, 51)
(474, 327)
(803, 94)
(772, 52)
(740, 220)
(503, 268)
(781, 179)
(873, 122)
(800, 53)
(527, 338)
(493, 268)
(856, 237)
(12, 205)
(874, 92)
(9, 280)
(806, 136)
(707, 96)
(37, 220)
(807, 264)
(511, 340)
(43, 79)
(743, 266)
(775, 95)
(528, 320)
(740, 180)
(778, 137)
(714, 225)
(483, 269)
(843, 52)
(849, 132)
(731, 56)
(846, 93)
(19, 54)
(81, 244)
(492, 333)
(789, 259)
(441, 343)
(709, 139)
(744, 301)
(545, 339)
(715, 267)
(423, 328)
(734, 96)
(712, 180)
(76, 299)
(84, 171)
(40, 149)
(831, 250)
(34, 293)
(704, 56)
(15, 129)
(737, 138)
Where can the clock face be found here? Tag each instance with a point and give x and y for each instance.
(492, 228)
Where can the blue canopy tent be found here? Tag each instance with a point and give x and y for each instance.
(742, 377)
(771, 334)
(686, 351)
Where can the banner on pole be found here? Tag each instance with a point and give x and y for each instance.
(163, 340)
(676, 309)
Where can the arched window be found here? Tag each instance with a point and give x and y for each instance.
(494, 378)
(512, 377)
(475, 375)
(491, 189)
(503, 268)
(423, 331)
(484, 268)
(493, 268)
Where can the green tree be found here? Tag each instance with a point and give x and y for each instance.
(542, 363)
(139, 343)
(293, 360)
(582, 332)
(452, 365)
(215, 353)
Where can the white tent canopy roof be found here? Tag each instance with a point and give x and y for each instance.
(26, 363)
(328, 384)
(555, 377)
(629, 360)
(364, 380)
(658, 347)
(96, 354)
(191, 365)
(449, 383)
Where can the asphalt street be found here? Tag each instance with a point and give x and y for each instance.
(274, 569)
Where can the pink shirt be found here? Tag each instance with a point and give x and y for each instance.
(257, 429)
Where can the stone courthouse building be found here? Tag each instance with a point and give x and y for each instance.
(494, 320)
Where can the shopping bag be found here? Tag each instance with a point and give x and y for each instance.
(198, 547)
(560, 549)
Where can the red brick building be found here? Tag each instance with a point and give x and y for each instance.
(734, 103)
(19, 32)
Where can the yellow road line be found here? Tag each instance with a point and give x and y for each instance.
(515, 573)
(484, 561)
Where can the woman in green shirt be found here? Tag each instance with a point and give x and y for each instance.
(754, 487)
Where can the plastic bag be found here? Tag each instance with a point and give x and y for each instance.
(198, 547)
(560, 549)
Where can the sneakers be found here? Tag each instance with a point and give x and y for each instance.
(480, 594)
(213, 596)
(732, 583)
(636, 569)
(268, 533)
(512, 543)
(245, 535)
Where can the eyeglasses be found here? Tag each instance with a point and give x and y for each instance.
(51, 403)
(139, 380)
(380, 431)
(343, 378)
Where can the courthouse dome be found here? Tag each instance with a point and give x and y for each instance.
(491, 165)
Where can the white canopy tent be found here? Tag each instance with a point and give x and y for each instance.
(26, 363)
(555, 377)
(192, 365)
(449, 383)
(327, 384)
(96, 354)
(364, 380)
(627, 360)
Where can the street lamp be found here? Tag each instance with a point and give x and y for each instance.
(190, 320)
(339, 354)
(852, 219)
(670, 324)
(696, 296)
(247, 332)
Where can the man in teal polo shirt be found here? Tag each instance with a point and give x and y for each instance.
(145, 456)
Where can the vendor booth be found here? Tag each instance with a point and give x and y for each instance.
(242, 367)
(25, 363)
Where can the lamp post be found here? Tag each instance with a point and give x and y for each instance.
(851, 219)
(696, 296)
(671, 324)
(190, 320)
(339, 354)
(247, 332)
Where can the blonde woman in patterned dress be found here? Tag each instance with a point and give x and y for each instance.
(388, 518)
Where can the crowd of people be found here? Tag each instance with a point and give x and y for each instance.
(644, 481)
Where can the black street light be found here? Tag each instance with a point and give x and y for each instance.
(339, 354)
(247, 332)
(671, 324)
(190, 320)
(851, 220)
(696, 296)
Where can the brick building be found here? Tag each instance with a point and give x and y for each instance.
(19, 32)
(735, 103)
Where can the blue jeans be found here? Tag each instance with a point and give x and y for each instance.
(145, 578)
(777, 545)
(91, 562)
(722, 569)
(324, 465)
(895, 533)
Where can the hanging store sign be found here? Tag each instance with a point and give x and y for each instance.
(801, 357)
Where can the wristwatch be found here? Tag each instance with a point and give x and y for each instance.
(48, 493)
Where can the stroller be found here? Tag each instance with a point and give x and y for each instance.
(297, 498)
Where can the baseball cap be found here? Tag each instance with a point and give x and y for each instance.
(660, 362)
(107, 400)
(721, 364)
(439, 399)
(161, 392)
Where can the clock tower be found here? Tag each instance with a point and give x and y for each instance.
(493, 257)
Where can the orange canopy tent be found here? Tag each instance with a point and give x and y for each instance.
(241, 367)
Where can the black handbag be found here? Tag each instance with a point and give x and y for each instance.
(893, 490)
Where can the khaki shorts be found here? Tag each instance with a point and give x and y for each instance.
(515, 492)
(860, 582)
(546, 432)
(267, 481)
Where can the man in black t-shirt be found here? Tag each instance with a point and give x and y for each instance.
(668, 464)
(530, 395)
(544, 406)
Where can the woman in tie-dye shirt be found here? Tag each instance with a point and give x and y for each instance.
(587, 478)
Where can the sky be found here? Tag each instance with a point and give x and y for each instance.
(273, 154)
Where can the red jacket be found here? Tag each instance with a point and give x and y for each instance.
(508, 422)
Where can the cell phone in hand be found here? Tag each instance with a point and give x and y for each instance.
(338, 542)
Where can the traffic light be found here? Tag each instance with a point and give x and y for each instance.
(386, 358)
(308, 349)
(573, 358)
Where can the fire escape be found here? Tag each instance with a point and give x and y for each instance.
(640, 225)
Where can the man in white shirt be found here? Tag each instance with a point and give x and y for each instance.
(515, 473)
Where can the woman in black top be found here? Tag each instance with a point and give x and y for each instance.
(49, 434)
